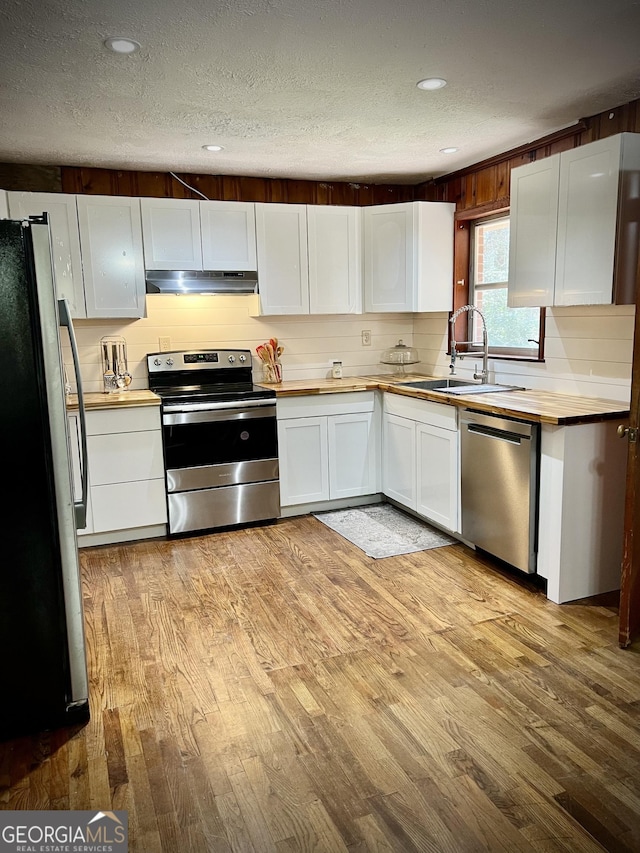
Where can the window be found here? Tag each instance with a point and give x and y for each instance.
(515, 332)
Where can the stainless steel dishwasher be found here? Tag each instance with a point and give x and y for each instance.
(499, 463)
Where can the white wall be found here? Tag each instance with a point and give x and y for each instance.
(588, 352)
(199, 322)
(588, 349)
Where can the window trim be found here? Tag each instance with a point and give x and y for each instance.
(462, 261)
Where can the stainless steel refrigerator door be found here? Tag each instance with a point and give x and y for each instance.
(54, 375)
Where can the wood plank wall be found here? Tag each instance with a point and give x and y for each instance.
(94, 181)
(484, 187)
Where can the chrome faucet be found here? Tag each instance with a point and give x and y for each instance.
(484, 374)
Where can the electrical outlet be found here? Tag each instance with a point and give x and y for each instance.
(366, 337)
(165, 343)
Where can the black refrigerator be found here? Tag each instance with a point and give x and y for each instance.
(43, 670)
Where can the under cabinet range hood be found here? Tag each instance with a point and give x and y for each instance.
(197, 281)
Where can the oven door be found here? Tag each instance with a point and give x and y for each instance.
(220, 447)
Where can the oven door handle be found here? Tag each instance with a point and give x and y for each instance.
(225, 404)
(176, 418)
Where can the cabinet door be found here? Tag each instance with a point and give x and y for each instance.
(112, 259)
(437, 468)
(352, 455)
(125, 457)
(433, 255)
(399, 459)
(389, 257)
(304, 462)
(65, 241)
(587, 214)
(283, 274)
(228, 235)
(171, 234)
(121, 506)
(335, 268)
(4, 205)
(533, 227)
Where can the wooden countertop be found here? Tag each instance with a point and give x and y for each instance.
(125, 399)
(537, 406)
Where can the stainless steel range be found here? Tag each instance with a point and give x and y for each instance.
(220, 439)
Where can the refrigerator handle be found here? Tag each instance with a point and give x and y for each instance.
(79, 507)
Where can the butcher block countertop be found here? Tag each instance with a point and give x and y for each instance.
(538, 406)
(95, 401)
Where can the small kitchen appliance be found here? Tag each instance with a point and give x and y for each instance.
(115, 372)
(220, 439)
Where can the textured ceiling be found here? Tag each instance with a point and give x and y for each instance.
(319, 89)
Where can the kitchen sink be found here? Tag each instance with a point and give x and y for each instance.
(478, 388)
(435, 384)
(459, 386)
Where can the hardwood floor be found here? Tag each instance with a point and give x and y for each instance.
(274, 689)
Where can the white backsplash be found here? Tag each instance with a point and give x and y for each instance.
(588, 349)
(588, 352)
(197, 322)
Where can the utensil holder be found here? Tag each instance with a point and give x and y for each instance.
(115, 371)
(272, 373)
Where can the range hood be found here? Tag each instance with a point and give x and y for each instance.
(197, 281)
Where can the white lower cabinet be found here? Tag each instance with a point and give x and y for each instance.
(126, 469)
(437, 468)
(399, 459)
(420, 458)
(304, 460)
(328, 447)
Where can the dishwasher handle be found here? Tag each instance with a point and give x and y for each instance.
(499, 434)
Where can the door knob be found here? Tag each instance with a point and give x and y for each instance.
(627, 432)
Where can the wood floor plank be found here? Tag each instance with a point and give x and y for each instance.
(274, 689)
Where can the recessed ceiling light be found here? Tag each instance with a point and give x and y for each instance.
(121, 45)
(450, 150)
(432, 83)
(213, 147)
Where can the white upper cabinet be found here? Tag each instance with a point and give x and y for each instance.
(586, 200)
(283, 274)
(309, 259)
(181, 234)
(533, 230)
(335, 259)
(4, 205)
(112, 258)
(65, 241)
(171, 234)
(228, 231)
(408, 257)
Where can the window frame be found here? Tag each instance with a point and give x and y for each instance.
(465, 221)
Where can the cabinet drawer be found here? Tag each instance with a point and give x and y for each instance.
(125, 505)
(124, 458)
(423, 411)
(135, 419)
(322, 405)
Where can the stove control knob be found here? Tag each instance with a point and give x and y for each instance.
(243, 358)
(232, 358)
(169, 362)
(157, 362)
